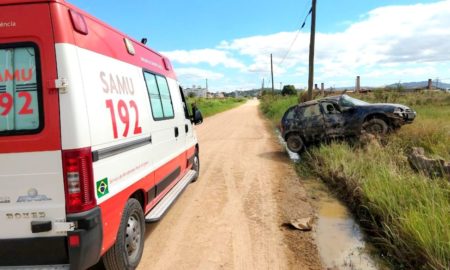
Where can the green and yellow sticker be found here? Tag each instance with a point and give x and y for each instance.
(102, 187)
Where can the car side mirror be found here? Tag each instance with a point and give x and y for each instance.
(198, 117)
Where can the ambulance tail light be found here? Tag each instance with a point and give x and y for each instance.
(78, 180)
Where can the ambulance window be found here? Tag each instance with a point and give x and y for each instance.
(166, 100)
(20, 105)
(159, 94)
(153, 92)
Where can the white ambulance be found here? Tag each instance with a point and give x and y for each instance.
(95, 139)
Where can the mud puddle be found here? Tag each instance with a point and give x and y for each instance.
(338, 237)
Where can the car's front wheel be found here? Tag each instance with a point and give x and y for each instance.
(294, 143)
(196, 166)
(375, 126)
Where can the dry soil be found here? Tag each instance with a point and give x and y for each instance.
(232, 217)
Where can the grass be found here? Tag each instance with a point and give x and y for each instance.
(209, 107)
(406, 213)
(274, 106)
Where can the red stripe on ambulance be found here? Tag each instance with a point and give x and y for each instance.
(94, 136)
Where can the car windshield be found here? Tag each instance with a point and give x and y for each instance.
(347, 101)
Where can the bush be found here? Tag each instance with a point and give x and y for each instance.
(288, 90)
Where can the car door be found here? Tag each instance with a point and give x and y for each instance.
(334, 120)
(165, 134)
(312, 123)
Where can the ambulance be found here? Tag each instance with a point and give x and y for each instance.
(96, 139)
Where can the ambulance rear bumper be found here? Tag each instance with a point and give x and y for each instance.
(57, 252)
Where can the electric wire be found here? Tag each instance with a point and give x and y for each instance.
(296, 36)
(305, 15)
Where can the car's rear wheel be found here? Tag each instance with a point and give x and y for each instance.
(126, 253)
(294, 143)
(375, 126)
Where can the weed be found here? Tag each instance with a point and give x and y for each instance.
(406, 213)
(209, 107)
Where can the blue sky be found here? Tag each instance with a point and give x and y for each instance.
(229, 42)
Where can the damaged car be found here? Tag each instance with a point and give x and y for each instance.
(340, 117)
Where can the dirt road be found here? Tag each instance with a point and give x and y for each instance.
(232, 217)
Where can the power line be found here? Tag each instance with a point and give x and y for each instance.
(296, 36)
(306, 15)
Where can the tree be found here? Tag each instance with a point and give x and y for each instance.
(288, 90)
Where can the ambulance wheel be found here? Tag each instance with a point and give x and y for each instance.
(196, 167)
(126, 253)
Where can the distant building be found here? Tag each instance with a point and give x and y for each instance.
(196, 91)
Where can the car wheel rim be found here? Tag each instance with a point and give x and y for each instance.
(133, 236)
(375, 128)
(196, 164)
(294, 144)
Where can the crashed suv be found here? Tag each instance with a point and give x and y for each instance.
(340, 117)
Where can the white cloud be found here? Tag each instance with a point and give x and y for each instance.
(197, 74)
(392, 34)
(406, 72)
(387, 42)
(211, 56)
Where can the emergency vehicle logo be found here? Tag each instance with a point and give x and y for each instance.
(33, 196)
(102, 187)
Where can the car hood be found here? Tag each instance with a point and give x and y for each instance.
(387, 106)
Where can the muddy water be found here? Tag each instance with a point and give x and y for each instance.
(339, 238)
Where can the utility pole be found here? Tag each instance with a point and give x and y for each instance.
(206, 84)
(311, 49)
(271, 71)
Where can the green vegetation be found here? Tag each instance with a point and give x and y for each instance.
(431, 128)
(212, 106)
(289, 90)
(274, 106)
(406, 213)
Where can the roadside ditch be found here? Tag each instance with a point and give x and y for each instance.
(340, 240)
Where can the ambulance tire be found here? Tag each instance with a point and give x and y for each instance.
(196, 167)
(126, 253)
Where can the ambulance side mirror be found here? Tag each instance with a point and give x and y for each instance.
(198, 117)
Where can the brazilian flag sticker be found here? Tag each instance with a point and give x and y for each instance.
(102, 187)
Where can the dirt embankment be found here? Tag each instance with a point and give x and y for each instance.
(231, 218)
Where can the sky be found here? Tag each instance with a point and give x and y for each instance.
(230, 42)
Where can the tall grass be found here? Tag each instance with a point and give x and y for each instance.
(274, 106)
(407, 213)
(212, 106)
(431, 129)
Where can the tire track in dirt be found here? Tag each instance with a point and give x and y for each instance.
(231, 217)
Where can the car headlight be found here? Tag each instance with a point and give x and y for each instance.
(398, 110)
